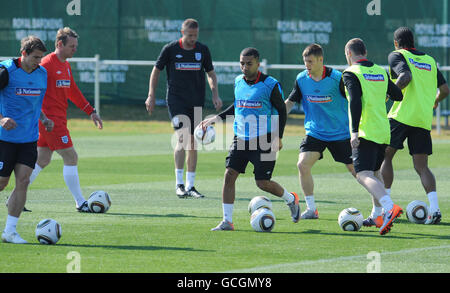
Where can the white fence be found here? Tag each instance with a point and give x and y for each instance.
(265, 66)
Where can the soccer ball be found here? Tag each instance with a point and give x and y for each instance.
(48, 231)
(350, 219)
(204, 136)
(417, 212)
(262, 220)
(99, 201)
(259, 202)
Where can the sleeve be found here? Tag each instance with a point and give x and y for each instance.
(354, 90)
(394, 92)
(398, 64)
(276, 98)
(77, 97)
(440, 78)
(296, 94)
(342, 87)
(207, 61)
(4, 77)
(163, 58)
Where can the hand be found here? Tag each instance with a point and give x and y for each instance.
(277, 144)
(8, 123)
(217, 102)
(354, 140)
(97, 120)
(48, 124)
(150, 105)
(209, 121)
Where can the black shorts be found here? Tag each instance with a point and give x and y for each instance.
(341, 150)
(419, 139)
(261, 157)
(183, 116)
(16, 153)
(368, 156)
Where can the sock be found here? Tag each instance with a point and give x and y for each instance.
(190, 177)
(433, 199)
(386, 202)
(287, 196)
(35, 173)
(310, 203)
(388, 191)
(11, 224)
(70, 174)
(376, 212)
(179, 176)
(228, 212)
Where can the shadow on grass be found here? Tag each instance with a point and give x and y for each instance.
(128, 247)
(157, 216)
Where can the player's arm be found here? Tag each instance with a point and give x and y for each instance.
(222, 116)
(212, 81)
(48, 123)
(153, 83)
(294, 97)
(5, 122)
(399, 69)
(77, 97)
(276, 98)
(354, 90)
(443, 91)
(394, 92)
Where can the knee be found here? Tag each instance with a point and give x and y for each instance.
(22, 181)
(262, 184)
(303, 168)
(3, 184)
(230, 176)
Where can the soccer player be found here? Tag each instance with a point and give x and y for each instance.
(186, 61)
(417, 75)
(62, 87)
(22, 88)
(258, 102)
(321, 92)
(366, 87)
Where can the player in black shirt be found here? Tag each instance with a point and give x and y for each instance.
(186, 61)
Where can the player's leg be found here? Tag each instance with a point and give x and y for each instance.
(71, 177)
(43, 160)
(228, 197)
(399, 133)
(311, 150)
(16, 203)
(179, 156)
(420, 147)
(264, 164)
(235, 163)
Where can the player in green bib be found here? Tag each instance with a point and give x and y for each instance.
(366, 86)
(417, 75)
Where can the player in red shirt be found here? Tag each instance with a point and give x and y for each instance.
(60, 88)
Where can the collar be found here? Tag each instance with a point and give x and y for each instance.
(255, 81)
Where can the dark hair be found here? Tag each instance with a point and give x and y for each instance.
(31, 43)
(250, 52)
(357, 46)
(189, 23)
(313, 49)
(404, 37)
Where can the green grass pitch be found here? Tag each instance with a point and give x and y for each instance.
(149, 230)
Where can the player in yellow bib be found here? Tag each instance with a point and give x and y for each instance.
(366, 86)
(417, 75)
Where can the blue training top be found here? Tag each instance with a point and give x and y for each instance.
(326, 109)
(253, 110)
(21, 100)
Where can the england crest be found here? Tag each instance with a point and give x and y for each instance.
(198, 56)
(65, 139)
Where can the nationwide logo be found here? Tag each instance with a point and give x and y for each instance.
(318, 99)
(374, 77)
(248, 104)
(63, 83)
(188, 66)
(421, 66)
(28, 92)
